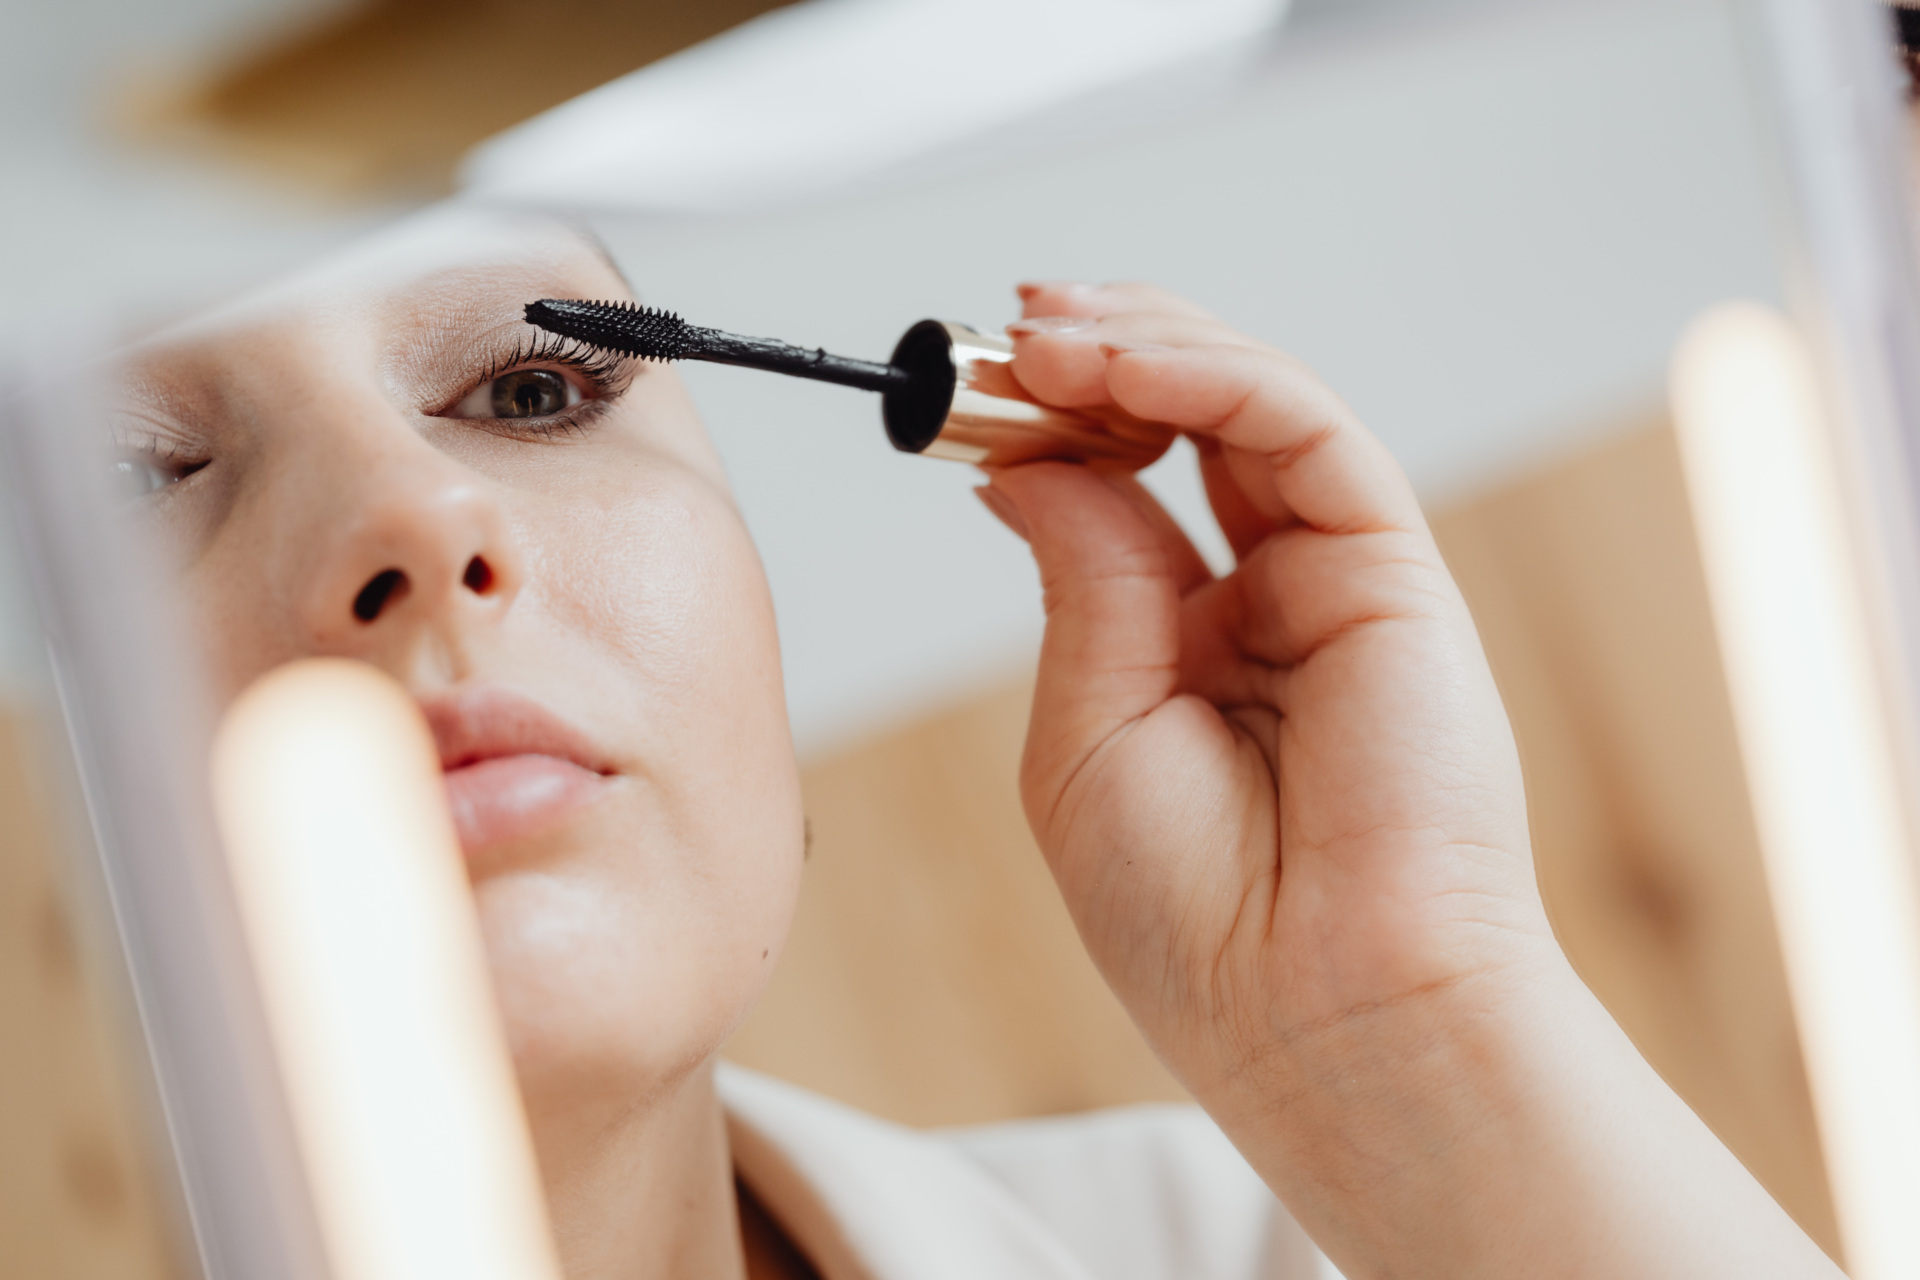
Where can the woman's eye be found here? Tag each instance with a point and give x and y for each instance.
(136, 477)
(524, 393)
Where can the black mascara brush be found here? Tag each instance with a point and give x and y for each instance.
(947, 391)
(652, 334)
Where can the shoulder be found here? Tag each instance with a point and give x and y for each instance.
(1138, 1193)
(1144, 1191)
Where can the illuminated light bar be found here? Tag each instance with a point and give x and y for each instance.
(1818, 750)
(360, 923)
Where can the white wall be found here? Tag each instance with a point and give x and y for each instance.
(1486, 234)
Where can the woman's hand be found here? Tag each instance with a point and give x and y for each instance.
(1285, 810)
(1285, 797)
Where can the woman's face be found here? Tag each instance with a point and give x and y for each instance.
(381, 460)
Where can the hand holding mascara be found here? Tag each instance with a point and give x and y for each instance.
(946, 392)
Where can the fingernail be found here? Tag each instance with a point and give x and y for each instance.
(1121, 347)
(1050, 324)
(1030, 289)
(1001, 506)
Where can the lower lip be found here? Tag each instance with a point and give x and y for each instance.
(513, 797)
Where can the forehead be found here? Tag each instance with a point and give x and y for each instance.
(430, 270)
(415, 309)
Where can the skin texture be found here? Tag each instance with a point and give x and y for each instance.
(1283, 807)
(629, 940)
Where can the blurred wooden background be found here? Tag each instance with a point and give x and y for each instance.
(1588, 590)
(382, 97)
(933, 976)
(77, 1201)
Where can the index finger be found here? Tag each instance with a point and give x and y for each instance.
(1324, 468)
(1070, 298)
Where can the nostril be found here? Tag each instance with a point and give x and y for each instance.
(478, 577)
(383, 588)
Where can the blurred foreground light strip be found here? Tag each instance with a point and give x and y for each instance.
(360, 922)
(1819, 757)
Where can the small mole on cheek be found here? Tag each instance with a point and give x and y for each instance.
(765, 953)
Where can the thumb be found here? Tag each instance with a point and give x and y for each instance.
(1112, 647)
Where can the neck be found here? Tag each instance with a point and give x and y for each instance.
(646, 1193)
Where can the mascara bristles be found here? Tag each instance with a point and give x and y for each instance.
(645, 332)
(660, 335)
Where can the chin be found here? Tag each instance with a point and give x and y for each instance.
(617, 979)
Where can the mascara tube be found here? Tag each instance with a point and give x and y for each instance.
(961, 401)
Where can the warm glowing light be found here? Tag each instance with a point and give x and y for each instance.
(1810, 709)
(361, 927)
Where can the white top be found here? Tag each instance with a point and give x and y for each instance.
(1135, 1193)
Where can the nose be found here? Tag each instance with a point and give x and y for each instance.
(418, 547)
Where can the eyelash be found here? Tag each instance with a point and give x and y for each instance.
(157, 451)
(607, 376)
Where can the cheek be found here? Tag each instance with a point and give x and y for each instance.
(665, 584)
(617, 986)
(642, 951)
(667, 588)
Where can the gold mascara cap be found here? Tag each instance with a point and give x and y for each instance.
(961, 401)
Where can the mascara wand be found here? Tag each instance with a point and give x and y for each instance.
(947, 392)
(652, 334)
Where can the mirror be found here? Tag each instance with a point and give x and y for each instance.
(1486, 225)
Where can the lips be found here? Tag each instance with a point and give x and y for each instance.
(513, 769)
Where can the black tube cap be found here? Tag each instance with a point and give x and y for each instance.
(915, 413)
